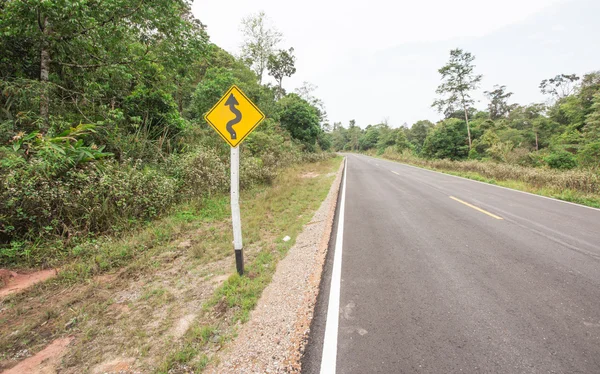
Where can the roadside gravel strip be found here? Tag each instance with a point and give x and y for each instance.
(275, 336)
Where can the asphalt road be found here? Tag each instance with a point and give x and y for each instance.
(445, 275)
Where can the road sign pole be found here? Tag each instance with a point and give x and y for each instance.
(234, 117)
(235, 210)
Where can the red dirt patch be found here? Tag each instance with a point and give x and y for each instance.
(45, 361)
(13, 282)
(118, 365)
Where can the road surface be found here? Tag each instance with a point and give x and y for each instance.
(439, 274)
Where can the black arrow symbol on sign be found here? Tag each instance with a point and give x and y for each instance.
(231, 103)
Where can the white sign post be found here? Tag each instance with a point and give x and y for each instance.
(235, 210)
(234, 117)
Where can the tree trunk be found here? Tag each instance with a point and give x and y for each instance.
(44, 73)
(468, 127)
(537, 148)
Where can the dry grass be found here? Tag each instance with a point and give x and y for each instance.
(579, 186)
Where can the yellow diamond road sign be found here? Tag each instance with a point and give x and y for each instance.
(234, 116)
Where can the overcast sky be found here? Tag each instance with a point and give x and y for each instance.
(378, 59)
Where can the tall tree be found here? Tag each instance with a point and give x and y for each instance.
(306, 92)
(87, 53)
(458, 80)
(354, 134)
(560, 86)
(281, 64)
(260, 40)
(498, 106)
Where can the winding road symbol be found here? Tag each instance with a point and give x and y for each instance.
(231, 103)
(234, 116)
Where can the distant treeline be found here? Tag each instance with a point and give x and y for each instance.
(563, 133)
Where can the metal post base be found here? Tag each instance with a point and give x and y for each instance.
(239, 261)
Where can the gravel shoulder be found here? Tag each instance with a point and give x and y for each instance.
(273, 340)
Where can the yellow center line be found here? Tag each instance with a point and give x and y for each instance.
(476, 208)
(394, 172)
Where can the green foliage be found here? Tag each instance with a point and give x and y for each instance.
(154, 110)
(215, 83)
(369, 139)
(101, 116)
(592, 119)
(55, 154)
(458, 80)
(324, 141)
(281, 64)
(301, 119)
(589, 156)
(561, 160)
(448, 139)
(260, 40)
(498, 106)
(418, 132)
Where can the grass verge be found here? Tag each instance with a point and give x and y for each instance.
(127, 297)
(560, 193)
(267, 216)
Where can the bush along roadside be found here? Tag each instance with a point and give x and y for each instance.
(49, 197)
(577, 185)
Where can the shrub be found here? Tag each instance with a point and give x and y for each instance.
(254, 172)
(561, 160)
(200, 172)
(589, 156)
(520, 156)
(93, 198)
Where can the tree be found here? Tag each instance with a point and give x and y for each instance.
(301, 120)
(370, 138)
(306, 92)
(418, 132)
(560, 86)
(592, 127)
(339, 136)
(458, 81)
(215, 82)
(354, 134)
(387, 137)
(498, 106)
(260, 40)
(81, 55)
(401, 142)
(281, 64)
(447, 140)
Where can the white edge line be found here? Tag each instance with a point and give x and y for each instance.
(489, 184)
(329, 357)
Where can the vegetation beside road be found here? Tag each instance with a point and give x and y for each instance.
(101, 120)
(134, 305)
(577, 186)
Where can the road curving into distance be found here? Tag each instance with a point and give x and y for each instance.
(441, 274)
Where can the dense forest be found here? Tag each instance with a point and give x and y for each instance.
(561, 133)
(101, 120)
